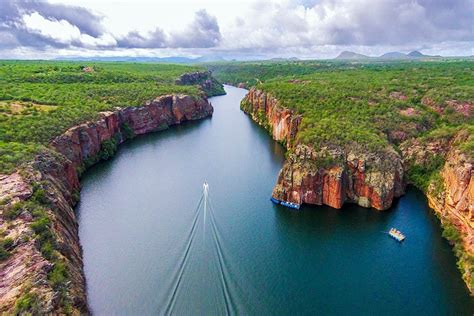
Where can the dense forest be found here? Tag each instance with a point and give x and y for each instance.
(41, 99)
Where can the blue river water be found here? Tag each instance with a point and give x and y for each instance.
(140, 257)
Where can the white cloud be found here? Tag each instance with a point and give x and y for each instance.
(304, 28)
(63, 32)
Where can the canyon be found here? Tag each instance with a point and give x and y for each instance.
(334, 175)
(331, 175)
(26, 273)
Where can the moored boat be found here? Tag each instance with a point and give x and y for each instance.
(396, 234)
(284, 203)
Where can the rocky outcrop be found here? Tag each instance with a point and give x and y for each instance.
(329, 175)
(282, 123)
(451, 195)
(204, 80)
(26, 274)
(335, 176)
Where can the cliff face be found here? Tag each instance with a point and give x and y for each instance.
(335, 176)
(451, 196)
(27, 275)
(204, 80)
(281, 122)
(330, 176)
(82, 142)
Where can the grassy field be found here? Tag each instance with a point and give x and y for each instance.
(41, 99)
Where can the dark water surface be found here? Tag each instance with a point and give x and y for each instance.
(136, 212)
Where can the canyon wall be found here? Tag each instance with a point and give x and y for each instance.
(451, 195)
(28, 279)
(335, 175)
(330, 175)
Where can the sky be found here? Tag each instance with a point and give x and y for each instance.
(243, 29)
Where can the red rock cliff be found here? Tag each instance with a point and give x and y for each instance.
(452, 195)
(336, 176)
(281, 122)
(26, 270)
(330, 176)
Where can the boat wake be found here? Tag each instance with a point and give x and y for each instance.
(206, 210)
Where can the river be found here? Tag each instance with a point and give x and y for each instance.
(137, 209)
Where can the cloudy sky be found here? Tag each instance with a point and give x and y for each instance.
(234, 29)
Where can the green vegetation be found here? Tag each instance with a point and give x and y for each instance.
(38, 205)
(27, 303)
(5, 245)
(423, 175)
(373, 105)
(251, 73)
(41, 99)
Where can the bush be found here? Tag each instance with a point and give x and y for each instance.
(451, 233)
(58, 275)
(39, 194)
(127, 131)
(423, 175)
(41, 225)
(13, 211)
(108, 149)
(47, 250)
(27, 303)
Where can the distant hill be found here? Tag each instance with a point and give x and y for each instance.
(393, 55)
(416, 54)
(387, 56)
(351, 55)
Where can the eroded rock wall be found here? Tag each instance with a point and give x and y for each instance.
(336, 176)
(330, 176)
(24, 274)
(281, 122)
(451, 195)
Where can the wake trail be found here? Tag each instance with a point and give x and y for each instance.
(229, 271)
(184, 260)
(227, 297)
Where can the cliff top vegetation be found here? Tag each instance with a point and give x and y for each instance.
(41, 99)
(372, 104)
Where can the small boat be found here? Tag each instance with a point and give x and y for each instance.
(284, 203)
(396, 234)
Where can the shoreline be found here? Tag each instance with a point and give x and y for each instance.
(44, 192)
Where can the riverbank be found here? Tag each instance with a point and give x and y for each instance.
(136, 212)
(43, 270)
(334, 175)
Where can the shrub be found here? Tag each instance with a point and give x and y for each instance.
(58, 275)
(13, 211)
(127, 131)
(41, 225)
(108, 149)
(28, 302)
(422, 175)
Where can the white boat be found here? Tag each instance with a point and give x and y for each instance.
(396, 234)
